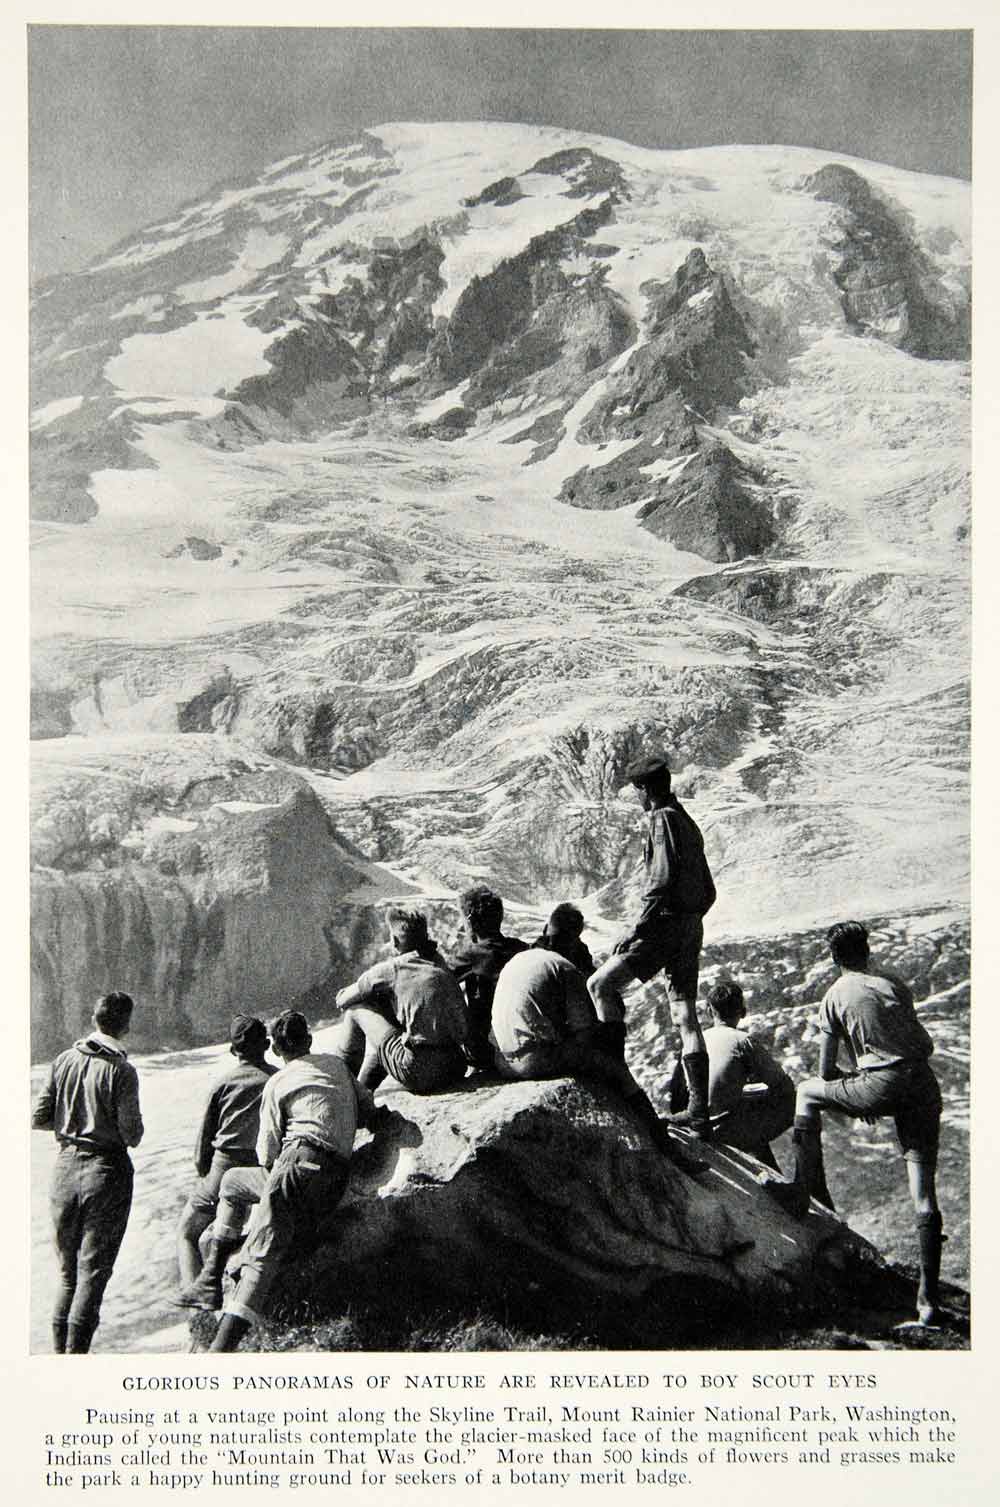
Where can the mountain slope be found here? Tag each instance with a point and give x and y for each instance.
(454, 467)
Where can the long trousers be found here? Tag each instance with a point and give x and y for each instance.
(90, 1199)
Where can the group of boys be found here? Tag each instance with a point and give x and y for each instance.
(278, 1142)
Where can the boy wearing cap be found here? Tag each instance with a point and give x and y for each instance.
(668, 933)
(227, 1136)
(309, 1113)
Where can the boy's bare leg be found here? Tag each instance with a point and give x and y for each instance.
(376, 1029)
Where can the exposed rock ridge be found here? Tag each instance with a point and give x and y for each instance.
(888, 286)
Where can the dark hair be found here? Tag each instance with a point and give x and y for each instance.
(290, 1034)
(726, 999)
(849, 944)
(651, 773)
(481, 907)
(113, 1011)
(408, 927)
(565, 920)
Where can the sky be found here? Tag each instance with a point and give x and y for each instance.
(125, 122)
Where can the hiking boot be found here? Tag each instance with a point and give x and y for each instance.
(700, 1126)
(792, 1196)
(672, 1147)
(696, 1118)
(204, 1293)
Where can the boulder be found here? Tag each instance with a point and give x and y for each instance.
(547, 1193)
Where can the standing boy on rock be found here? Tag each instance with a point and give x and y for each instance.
(227, 1135)
(870, 1012)
(477, 965)
(667, 935)
(91, 1102)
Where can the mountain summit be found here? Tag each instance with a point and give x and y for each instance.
(428, 479)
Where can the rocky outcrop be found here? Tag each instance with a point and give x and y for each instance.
(545, 1194)
(888, 285)
(144, 701)
(315, 377)
(495, 311)
(63, 459)
(690, 490)
(708, 508)
(200, 877)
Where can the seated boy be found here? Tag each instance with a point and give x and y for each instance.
(563, 933)
(545, 1026)
(407, 1013)
(751, 1099)
(477, 965)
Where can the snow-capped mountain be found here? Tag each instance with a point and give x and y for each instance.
(387, 505)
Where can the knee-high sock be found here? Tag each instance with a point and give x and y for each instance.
(794, 1196)
(229, 1333)
(207, 1287)
(930, 1240)
(696, 1073)
(815, 1171)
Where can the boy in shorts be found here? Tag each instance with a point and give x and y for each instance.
(668, 934)
(405, 1018)
(870, 1012)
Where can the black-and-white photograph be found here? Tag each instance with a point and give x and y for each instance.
(500, 620)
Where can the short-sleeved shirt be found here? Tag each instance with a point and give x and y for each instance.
(873, 1014)
(426, 999)
(539, 998)
(734, 1060)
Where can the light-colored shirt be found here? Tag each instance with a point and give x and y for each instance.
(540, 999)
(312, 1098)
(426, 999)
(872, 1012)
(734, 1060)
